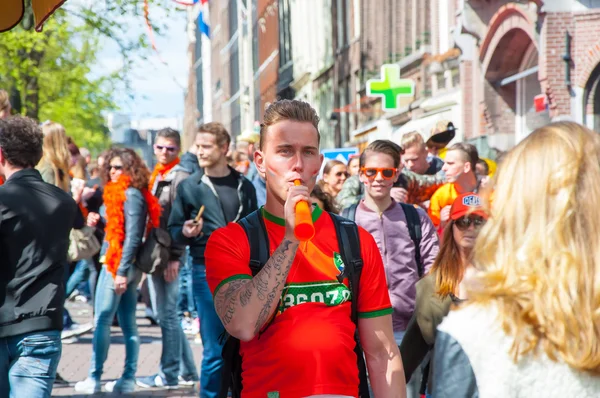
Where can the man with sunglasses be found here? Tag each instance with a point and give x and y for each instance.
(163, 282)
(387, 221)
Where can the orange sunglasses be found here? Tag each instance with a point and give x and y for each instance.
(386, 172)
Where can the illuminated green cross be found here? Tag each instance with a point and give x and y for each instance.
(390, 87)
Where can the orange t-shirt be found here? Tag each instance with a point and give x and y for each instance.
(309, 348)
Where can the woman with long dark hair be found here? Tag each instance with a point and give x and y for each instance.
(128, 204)
(441, 288)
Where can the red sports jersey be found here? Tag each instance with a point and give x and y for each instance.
(309, 348)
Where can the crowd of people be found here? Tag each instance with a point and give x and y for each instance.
(430, 272)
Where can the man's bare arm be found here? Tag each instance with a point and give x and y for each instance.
(383, 358)
(245, 305)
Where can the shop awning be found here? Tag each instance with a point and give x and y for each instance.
(422, 125)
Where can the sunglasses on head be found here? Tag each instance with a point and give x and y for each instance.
(116, 167)
(372, 172)
(168, 148)
(465, 222)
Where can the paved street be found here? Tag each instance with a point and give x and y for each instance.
(75, 361)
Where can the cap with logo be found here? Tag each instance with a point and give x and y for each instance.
(467, 204)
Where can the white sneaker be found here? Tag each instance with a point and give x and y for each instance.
(88, 386)
(76, 330)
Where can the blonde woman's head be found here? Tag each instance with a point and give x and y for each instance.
(4, 105)
(56, 153)
(540, 251)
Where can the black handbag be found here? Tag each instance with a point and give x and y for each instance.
(153, 255)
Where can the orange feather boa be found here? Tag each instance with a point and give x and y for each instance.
(114, 201)
(161, 169)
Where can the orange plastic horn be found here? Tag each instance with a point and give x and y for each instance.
(304, 230)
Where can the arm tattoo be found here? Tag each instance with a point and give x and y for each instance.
(280, 263)
(239, 293)
(225, 301)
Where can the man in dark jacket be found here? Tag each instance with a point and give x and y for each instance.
(35, 222)
(227, 196)
(163, 283)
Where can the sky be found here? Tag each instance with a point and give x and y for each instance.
(157, 89)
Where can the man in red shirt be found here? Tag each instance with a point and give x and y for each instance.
(308, 350)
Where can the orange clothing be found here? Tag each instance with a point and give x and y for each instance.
(309, 348)
(444, 196)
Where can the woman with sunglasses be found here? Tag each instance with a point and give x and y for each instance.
(443, 286)
(127, 206)
(334, 175)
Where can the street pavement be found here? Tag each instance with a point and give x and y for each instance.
(76, 355)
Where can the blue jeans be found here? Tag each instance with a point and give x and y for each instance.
(79, 275)
(164, 297)
(210, 330)
(28, 364)
(107, 304)
(186, 291)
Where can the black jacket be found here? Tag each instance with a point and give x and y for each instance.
(136, 213)
(165, 190)
(35, 221)
(196, 191)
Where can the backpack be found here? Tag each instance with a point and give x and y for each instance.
(413, 223)
(349, 244)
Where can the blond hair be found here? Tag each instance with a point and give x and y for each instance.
(539, 254)
(4, 100)
(295, 110)
(56, 153)
(414, 138)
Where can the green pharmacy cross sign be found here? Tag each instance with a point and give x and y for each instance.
(390, 87)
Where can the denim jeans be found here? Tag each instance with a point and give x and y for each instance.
(210, 330)
(164, 297)
(28, 364)
(186, 291)
(79, 275)
(108, 303)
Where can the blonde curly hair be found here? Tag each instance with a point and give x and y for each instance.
(539, 253)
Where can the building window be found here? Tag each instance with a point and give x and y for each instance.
(233, 17)
(285, 30)
(343, 22)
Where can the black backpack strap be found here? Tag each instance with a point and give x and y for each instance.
(413, 222)
(349, 245)
(256, 231)
(350, 212)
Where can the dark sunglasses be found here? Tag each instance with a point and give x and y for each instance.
(386, 173)
(168, 148)
(465, 222)
(341, 173)
(116, 167)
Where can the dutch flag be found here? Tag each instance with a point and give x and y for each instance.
(203, 18)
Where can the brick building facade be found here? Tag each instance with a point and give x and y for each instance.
(485, 65)
(517, 53)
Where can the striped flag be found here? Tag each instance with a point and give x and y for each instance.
(204, 19)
